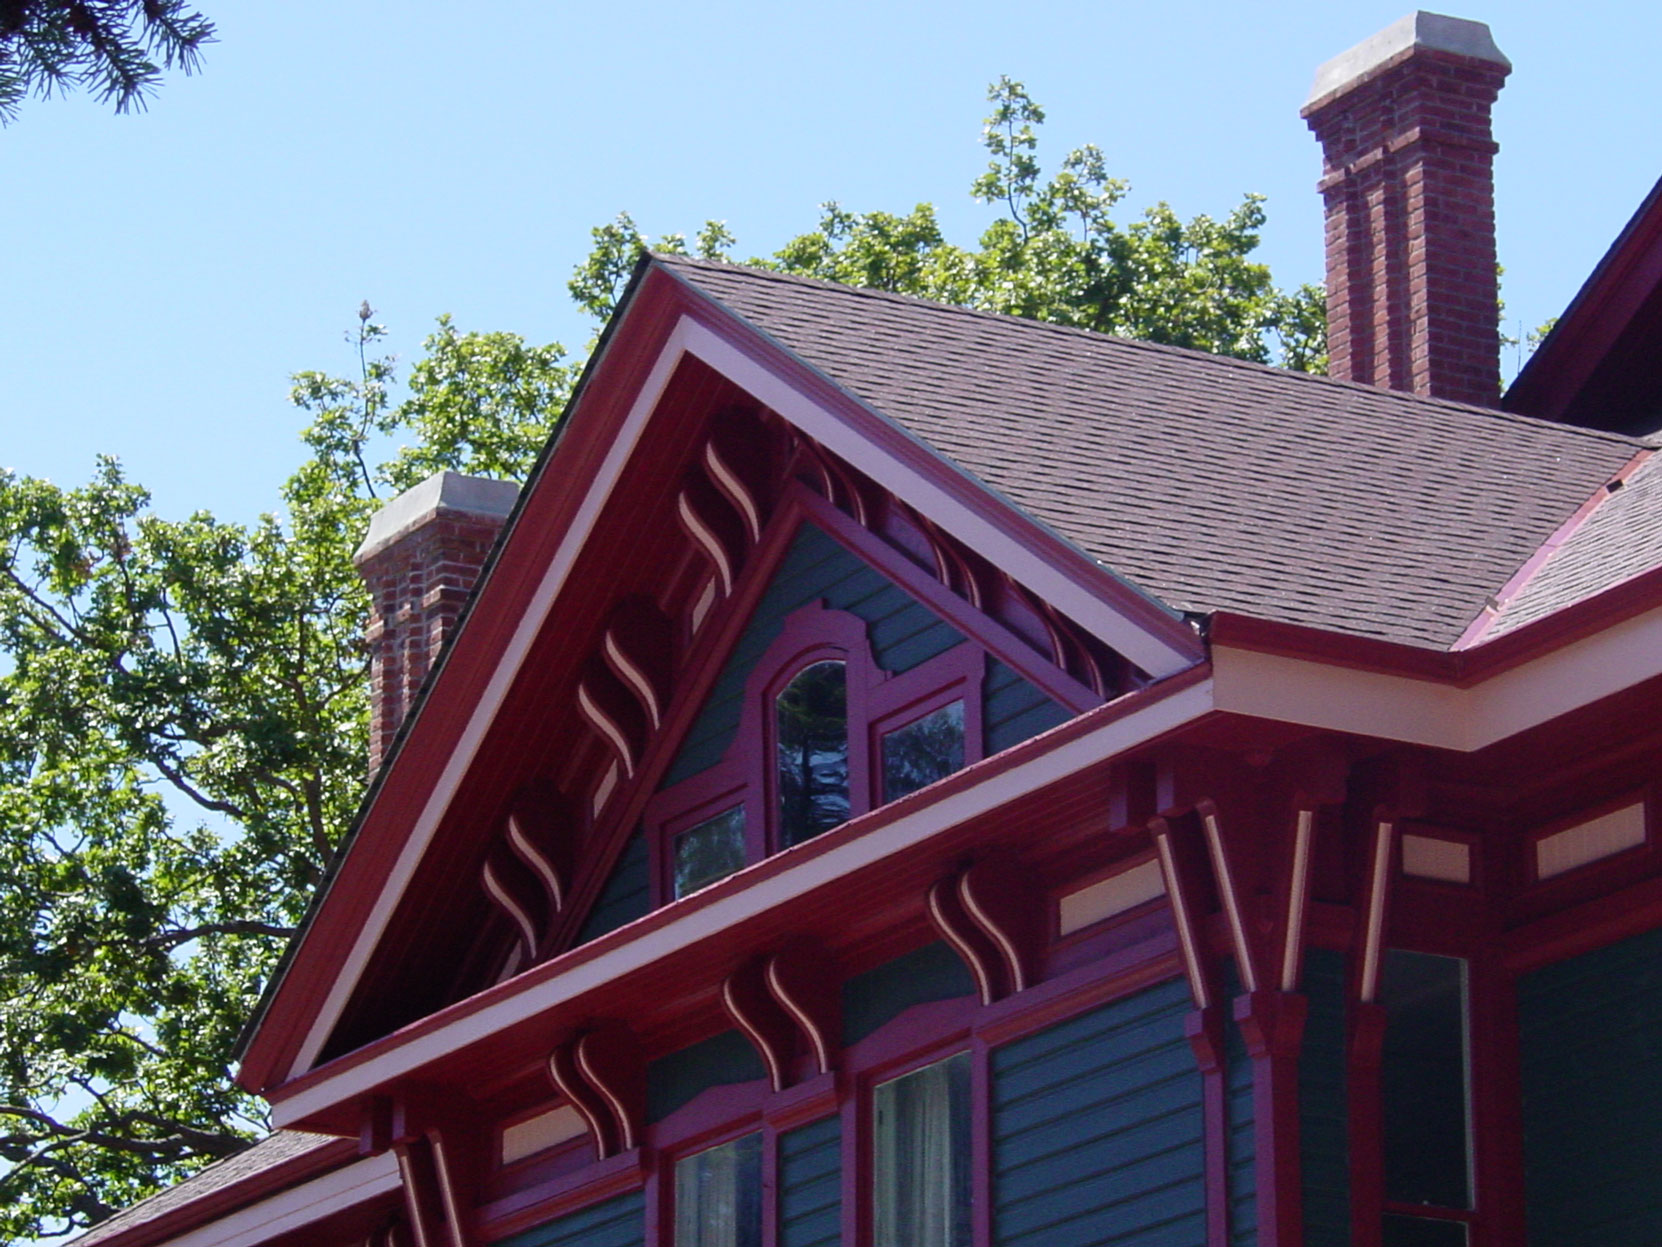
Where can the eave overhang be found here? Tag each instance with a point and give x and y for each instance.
(518, 1019)
(663, 322)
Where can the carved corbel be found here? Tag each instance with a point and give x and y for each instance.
(601, 1073)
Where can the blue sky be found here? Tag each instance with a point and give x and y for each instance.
(165, 272)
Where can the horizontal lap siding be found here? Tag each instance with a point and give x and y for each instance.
(619, 1222)
(1098, 1130)
(903, 633)
(1591, 1047)
(626, 894)
(1014, 710)
(810, 1185)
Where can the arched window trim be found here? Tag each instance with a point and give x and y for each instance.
(878, 702)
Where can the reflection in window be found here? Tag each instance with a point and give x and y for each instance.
(712, 850)
(923, 751)
(1423, 1078)
(718, 1196)
(921, 1157)
(813, 752)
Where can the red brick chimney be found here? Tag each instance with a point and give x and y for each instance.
(420, 559)
(1408, 155)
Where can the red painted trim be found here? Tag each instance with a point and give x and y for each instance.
(1272, 1023)
(1496, 610)
(524, 1210)
(890, 440)
(986, 770)
(217, 1202)
(1204, 1028)
(1590, 327)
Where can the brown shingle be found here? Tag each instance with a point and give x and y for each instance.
(1209, 482)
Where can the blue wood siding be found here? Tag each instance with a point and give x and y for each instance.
(1098, 1130)
(681, 1076)
(1013, 710)
(1591, 1048)
(903, 633)
(619, 1222)
(810, 1185)
(1324, 1103)
(933, 972)
(627, 894)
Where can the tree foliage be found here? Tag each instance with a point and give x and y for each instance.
(109, 47)
(181, 745)
(182, 701)
(1054, 251)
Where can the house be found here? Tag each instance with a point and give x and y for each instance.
(906, 776)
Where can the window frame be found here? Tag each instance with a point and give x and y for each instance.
(878, 701)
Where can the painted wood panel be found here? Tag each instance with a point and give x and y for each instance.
(1324, 1103)
(903, 633)
(1591, 1049)
(627, 894)
(619, 1222)
(1014, 710)
(933, 972)
(681, 1076)
(810, 1185)
(1098, 1130)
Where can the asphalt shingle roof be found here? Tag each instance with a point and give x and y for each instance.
(1211, 483)
(274, 1149)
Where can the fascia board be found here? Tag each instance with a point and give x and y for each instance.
(1447, 713)
(1122, 618)
(298, 1207)
(485, 708)
(1137, 720)
(1162, 651)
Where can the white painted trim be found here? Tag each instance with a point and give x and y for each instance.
(1297, 894)
(1077, 600)
(1374, 935)
(507, 668)
(772, 893)
(1425, 712)
(1196, 973)
(299, 1206)
(1231, 901)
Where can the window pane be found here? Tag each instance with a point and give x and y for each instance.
(718, 1196)
(813, 752)
(712, 850)
(923, 751)
(1424, 1080)
(921, 1157)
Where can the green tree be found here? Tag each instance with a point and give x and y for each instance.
(182, 701)
(1053, 252)
(181, 744)
(108, 47)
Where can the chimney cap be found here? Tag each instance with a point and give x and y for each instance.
(444, 491)
(1430, 31)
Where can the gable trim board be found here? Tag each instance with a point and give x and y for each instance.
(295, 1209)
(782, 880)
(1128, 621)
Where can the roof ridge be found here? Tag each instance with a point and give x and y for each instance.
(1028, 324)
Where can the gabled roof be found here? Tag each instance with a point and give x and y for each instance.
(1600, 366)
(1211, 483)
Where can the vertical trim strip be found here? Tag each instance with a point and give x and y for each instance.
(1297, 898)
(1180, 910)
(1383, 836)
(1231, 903)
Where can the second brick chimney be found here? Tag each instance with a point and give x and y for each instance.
(420, 559)
(1408, 154)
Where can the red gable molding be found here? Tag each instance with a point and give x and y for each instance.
(605, 435)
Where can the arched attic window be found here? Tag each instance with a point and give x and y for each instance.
(824, 735)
